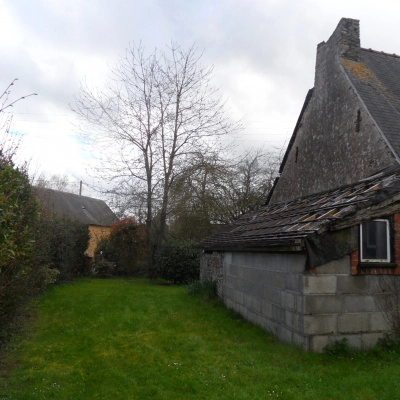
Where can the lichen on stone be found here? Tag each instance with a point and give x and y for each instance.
(358, 69)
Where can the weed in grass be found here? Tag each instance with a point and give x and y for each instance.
(339, 348)
(206, 289)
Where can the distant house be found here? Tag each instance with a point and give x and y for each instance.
(87, 210)
(309, 265)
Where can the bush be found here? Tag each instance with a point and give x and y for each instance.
(125, 247)
(60, 245)
(339, 348)
(18, 216)
(104, 269)
(178, 261)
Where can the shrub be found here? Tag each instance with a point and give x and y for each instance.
(178, 261)
(104, 269)
(18, 216)
(339, 348)
(125, 247)
(60, 245)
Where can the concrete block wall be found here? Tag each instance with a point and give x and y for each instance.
(339, 305)
(309, 309)
(267, 290)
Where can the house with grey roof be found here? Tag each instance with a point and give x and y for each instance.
(93, 212)
(320, 260)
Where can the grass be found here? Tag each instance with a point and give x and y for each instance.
(133, 339)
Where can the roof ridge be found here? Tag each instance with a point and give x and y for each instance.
(380, 52)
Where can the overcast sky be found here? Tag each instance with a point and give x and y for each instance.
(263, 52)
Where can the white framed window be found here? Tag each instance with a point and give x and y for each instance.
(375, 241)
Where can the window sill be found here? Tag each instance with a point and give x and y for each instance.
(377, 265)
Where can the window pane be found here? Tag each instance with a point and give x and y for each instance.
(375, 240)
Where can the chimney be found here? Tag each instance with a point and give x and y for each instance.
(346, 38)
(343, 43)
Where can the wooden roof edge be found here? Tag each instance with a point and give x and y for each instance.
(385, 208)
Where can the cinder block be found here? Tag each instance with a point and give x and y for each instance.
(320, 324)
(260, 320)
(379, 322)
(299, 340)
(239, 284)
(369, 340)
(278, 280)
(239, 258)
(352, 284)
(271, 326)
(229, 281)
(266, 309)
(240, 272)
(227, 258)
(229, 303)
(325, 284)
(242, 311)
(228, 292)
(300, 303)
(288, 300)
(322, 304)
(335, 267)
(273, 295)
(252, 317)
(357, 304)
(294, 283)
(353, 323)
(375, 282)
(294, 321)
(352, 340)
(318, 343)
(255, 305)
(238, 297)
(231, 270)
(278, 314)
(296, 263)
(284, 334)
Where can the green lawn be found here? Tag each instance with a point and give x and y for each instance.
(134, 339)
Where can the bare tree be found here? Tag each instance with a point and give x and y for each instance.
(57, 182)
(8, 144)
(215, 191)
(157, 112)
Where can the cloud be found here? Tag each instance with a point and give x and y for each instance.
(263, 52)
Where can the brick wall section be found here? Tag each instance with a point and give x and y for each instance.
(356, 269)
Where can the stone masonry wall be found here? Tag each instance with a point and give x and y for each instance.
(337, 142)
(211, 269)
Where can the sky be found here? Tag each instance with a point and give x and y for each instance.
(263, 53)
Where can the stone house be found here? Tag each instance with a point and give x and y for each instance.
(315, 263)
(93, 212)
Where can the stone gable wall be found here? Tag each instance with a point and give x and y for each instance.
(337, 142)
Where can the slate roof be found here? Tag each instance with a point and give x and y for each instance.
(78, 208)
(376, 79)
(283, 226)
